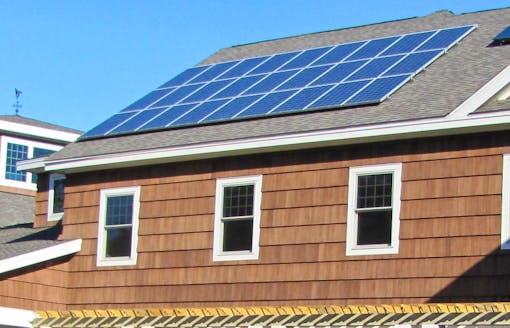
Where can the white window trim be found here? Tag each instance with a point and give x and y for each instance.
(218, 254)
(3, 158)
(505, 203)
(51, 191)
(102, 260)
(351, 240)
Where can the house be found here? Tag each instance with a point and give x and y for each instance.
(354, 177)
(23, 138)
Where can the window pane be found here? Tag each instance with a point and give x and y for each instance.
(58, 196)
(238, 201)
(374, 190)
(237, 235)
(118, 242)
(374, 228)
(15, 152)
(41, 152)
(119, 210)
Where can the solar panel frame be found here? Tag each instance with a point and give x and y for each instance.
(279, 83)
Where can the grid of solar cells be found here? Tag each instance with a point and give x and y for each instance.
(334, 76)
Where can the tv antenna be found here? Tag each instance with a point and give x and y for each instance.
(17, 105)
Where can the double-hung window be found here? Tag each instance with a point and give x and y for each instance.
(237, 218)
(118, 226)
(373, 210)
(56, 197)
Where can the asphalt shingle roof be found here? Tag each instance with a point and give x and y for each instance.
(435, 92)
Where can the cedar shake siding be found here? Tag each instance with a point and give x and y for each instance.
(450, 228)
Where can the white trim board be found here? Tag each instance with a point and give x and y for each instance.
(41, 255)
(35, 131)
(12, 317)
(485, 93)
(342, 136)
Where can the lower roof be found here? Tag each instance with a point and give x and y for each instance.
(289, 316)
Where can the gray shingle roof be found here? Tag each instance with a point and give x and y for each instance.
(37, 123)
(16, 209)
(435, 92)
(20, 239)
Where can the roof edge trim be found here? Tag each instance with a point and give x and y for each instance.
(35, 131)
(41, 255)
(483, 94)
(381, 132)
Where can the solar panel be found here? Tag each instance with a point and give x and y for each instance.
(503, 35)
(336, 76)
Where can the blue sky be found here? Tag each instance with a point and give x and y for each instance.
(79, 62)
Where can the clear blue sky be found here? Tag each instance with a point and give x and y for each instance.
(78, 62)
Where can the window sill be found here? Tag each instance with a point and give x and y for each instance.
(235, 256)
(375, 250)
(120, 261)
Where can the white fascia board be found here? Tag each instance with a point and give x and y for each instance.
(342, 136)
(12, 317)
(33, 165)
(483, 94)
(41, 255)
(35, 131)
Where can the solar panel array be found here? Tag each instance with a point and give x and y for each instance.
(348, 74)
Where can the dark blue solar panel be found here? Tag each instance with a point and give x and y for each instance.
(238, 86)
(137, 120)
(305, 58)
(184, 76)
(378, 90)
(407, 43)
(372, 48)
(339, 72)
(147, 100)
(339, 53)
(109, 124)
(302, 99)
(213, 72)
(266, 104)
(503, 35)
(167, 117)
(199, 112)
(445, 38)
(274, 63)
(329, 77)
(304, 77)
(232, 108)
(374, 68)
(414, 62)
(243, 67)
(207, 91)
(338, 94)
(270, 82)
(177, 95)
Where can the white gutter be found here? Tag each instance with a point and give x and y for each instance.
(39, 132)
(41, 255)
(12, 317)
(341, 136)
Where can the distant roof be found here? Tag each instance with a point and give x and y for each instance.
(16, 209)
(434, 93)
(37, 123)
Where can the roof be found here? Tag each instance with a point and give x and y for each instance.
(37, 123)
(16, 209)
(289, 316)
(433, 94)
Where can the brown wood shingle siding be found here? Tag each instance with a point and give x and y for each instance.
(449, 230)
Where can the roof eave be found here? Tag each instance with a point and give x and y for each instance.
(40, 255)
(61, 137)
(441, 126)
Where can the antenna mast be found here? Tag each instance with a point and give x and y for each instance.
(17, 105)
